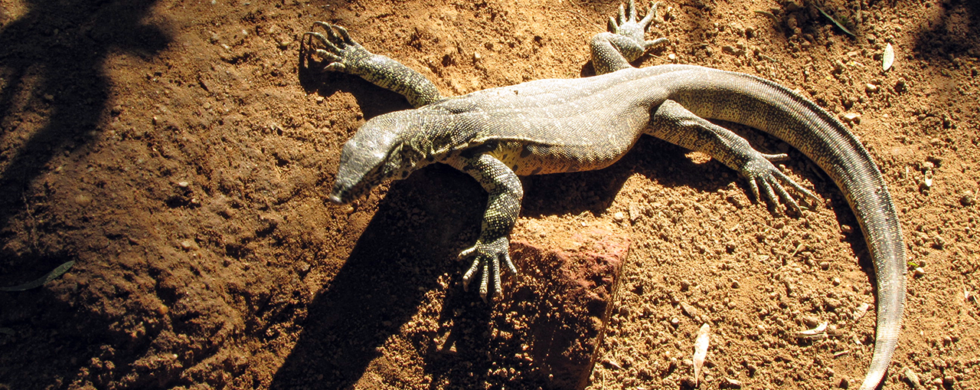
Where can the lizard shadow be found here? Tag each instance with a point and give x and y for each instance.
(398, 258)
(595, 191)
(371, 99)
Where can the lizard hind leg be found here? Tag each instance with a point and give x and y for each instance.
(675, 124)
(625, 41)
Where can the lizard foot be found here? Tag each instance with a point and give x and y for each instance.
(627, 26)
(761, 173)
(331, 51)
(487, 263)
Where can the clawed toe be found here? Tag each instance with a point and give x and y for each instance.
(627, 16)
(487, 265)
(767, 183)
(656, 42)
(327, 50)
(652, 14)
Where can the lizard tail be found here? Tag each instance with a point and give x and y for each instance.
(767, 106)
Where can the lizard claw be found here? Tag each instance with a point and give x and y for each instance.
(645, 23)
(656, 42)
(762, 174)
(487, 264)
(332, 50)
(629, 16)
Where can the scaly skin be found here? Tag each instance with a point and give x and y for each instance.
(553, 126)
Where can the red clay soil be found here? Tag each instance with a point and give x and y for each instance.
(173, 150)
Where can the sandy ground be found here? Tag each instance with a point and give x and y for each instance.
(173, 151)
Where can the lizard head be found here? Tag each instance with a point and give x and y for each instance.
(380, 150)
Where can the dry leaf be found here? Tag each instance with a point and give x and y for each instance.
(887, 58)
(861, 311)
(819, 331)
(54, 274)
(700, 351)
(912, 378)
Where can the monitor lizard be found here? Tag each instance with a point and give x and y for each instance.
(569, 125)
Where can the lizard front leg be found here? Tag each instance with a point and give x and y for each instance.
(675, 124)
(625, 42)
(503, 206)
(335, 51)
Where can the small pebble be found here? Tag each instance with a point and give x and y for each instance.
(833, 331)
(688, 382)
(611, 363)
(83, 200)
(305, 267)
(861, 311)
(812, 322)
(912, 377)
(618, 217)
(624, 311)
(900, 85)
(967, 198)
(871, 88)
(831, 303)
(635, 212)
(733, 383)
(689, 310)
(183, 184)
(685, 285)
(918, 272)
